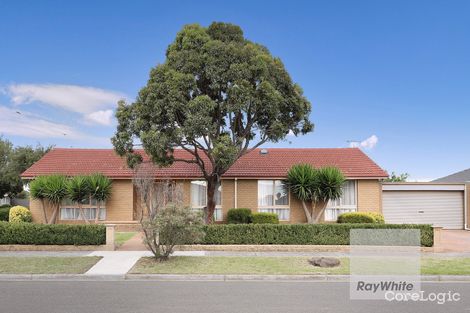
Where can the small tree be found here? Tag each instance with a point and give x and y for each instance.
(55, 190)
(37, 189)
(397, 178)
(78, 190)
(314, 188)
(172, 225)
(100, 188)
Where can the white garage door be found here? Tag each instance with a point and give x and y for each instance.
(439, 208)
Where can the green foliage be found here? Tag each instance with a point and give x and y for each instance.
(37, 188)
(100, 186)
(361, 217)
(13, 162)
(397, 178)
(171, 226)
(4, 213)
(298, 234)
(239, 216)
(265, 218)
(217, 95)
(60, 234)
(20, 214)
(78, 188)
(54, 188)
(317, 185)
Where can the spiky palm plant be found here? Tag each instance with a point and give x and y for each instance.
(78, 190)
(315, 187)
(55, 190)
(100, 188)
(37, 192)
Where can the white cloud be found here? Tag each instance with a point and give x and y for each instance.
(368, 143)
(31, 126)
(102, 117)
(80, 99)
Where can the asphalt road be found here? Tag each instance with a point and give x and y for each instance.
(207, 297)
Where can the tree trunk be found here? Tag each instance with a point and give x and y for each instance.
(80, 208)
(54, 214)
(322, 206)
(44, 211)
(307, 213)
(211, 188)
(98, 208)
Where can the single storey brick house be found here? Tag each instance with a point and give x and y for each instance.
(255, 181)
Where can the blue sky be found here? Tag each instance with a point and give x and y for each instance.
(393, 74)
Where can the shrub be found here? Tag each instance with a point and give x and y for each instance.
(58, 234)
(265, 218)
(299, 234)
(4, 213)
(20, 214)
(171, 226)
(356, 218)
(379, 218)
(239, 216)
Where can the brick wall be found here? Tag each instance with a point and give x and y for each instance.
(369, 196)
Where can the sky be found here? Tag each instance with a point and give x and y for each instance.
(391, 76)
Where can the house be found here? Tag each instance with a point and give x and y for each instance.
(255, 181)
(459, 177)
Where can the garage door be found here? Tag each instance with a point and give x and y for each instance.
(439, 208)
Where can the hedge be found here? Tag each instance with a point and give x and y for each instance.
(298, 234)
(57, 234)
(361, 218)
(239, 216)
(265, 218)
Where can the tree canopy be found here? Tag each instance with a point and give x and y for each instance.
(217, 96)
(13, 162)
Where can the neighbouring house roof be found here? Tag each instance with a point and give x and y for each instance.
(459, 177)
(352, 161)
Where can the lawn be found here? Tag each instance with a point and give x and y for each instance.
(46, 265)
(278, 265)
(122, 237)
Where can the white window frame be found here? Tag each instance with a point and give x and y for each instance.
(218, 213)
(333, 211)
(274, 208)
(68, 205)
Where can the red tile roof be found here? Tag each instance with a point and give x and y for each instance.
(352, 161)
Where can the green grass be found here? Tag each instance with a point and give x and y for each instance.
(46, 265)
(122, 237)
(278, 265)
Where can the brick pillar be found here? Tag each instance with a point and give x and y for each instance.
(110, 229)
(437, 236)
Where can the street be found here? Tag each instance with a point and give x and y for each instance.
(208, 297)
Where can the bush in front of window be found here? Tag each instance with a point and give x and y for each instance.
(20, 214)
(265, 218)
(5, 212)
(361, 217)
(239, 216)
(299, 234)
(56, 234)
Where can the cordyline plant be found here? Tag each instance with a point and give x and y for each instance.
(55, 190)
(37, 189)
(217, 96)
(314, 188)
(78, 190)
(100, 190)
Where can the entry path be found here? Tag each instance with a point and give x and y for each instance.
(117, 263)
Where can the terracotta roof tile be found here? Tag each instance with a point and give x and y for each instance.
(275, 164)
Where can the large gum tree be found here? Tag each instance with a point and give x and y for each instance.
(216, 96)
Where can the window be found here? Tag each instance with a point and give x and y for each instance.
(347, 202)
(273, 197)
(199, 198)
(69, 210)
